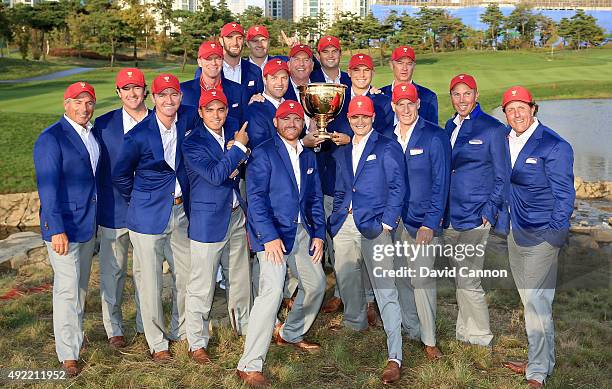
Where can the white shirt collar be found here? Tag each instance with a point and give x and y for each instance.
(262, 64)
(230, 67)
(363, 141)
(129, 121)
(163, 128)
(458, 121)
(408, 133)
(353, 92)
(292, 149)
(271, 99)
(525, 135)
(332, 80)
(79, 128)
(219, 138)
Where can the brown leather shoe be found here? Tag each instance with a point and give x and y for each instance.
(534, 384)
(254, 379)
(332, 305)
(162, 356)
(200, 356)
(71, 367)
(302, 345)
(117, 341)
(433, 353)
(517, 367)
(372, 315)
(391, 373)
(288, 303)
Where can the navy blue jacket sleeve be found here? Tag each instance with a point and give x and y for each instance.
(499, 157)
(440, 172)
(48, 167)
(123, 173)
(258, 196)
(559, 168)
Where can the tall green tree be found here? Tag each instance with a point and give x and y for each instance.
(581, 29)
(524, 21)
(494, 19)
(163, 8)
(252, 16)
(138, 22)
(6, 33)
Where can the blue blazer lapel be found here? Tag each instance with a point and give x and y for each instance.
(282, 151)
(462, 137)
(211, 142)
(348, 155)
(155, 140)
(76, 141)
(303, 173)
(417, 133)
(366, 151)
(530, 146)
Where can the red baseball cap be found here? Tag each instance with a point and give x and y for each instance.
(403, 51)
(164, 81)
(209, 48)
(77, 88)
(517, 93)
(405, 90)
(328, 40)
(254, 31)
(297, 48)
(361, 59)
(275, 65)
(463, 79)
(361, 105)
(232, 27)
(129, 76)
(211, 95)
(288, 107)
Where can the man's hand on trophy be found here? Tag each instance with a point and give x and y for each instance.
(340, 139)
(310, 140)
(258, 97)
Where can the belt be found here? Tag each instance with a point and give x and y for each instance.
(236, 208)
(178, 200)
(350, 211)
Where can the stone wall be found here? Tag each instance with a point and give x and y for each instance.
(19, 209)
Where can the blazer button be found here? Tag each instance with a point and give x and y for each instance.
(453, 171)
(93, 200)
(295, 221)
(172, 193)
(354, 190)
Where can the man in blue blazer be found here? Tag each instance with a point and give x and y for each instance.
(260, 114)
(368, 201)
(286, 228)
(361, 71)
(65, 160)
(476, 195)
(403, 62)
(330, 53)
(110, 129)
(210, 59)
(427, 156)
(300, 67)
(150, 175)
(217, 222)
(541, 201)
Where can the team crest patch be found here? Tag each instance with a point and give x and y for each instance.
(82, 85)
(167, 79)
(461, 77)
(513, 92)
(359, 104)
(291, 105)
(129, 74)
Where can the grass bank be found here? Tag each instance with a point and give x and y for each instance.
(27, 108)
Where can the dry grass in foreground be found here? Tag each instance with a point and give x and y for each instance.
(348, 359)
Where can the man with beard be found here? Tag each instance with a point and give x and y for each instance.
(210, 59)
(286, 229)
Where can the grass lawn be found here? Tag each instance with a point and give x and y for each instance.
(30, 107)
(347, 360)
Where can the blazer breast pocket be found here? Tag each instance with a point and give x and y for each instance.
(141, 195)
(204, 207)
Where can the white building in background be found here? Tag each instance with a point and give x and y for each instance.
(331, 8)
(236, 6)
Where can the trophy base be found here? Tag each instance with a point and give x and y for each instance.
(322, 135)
